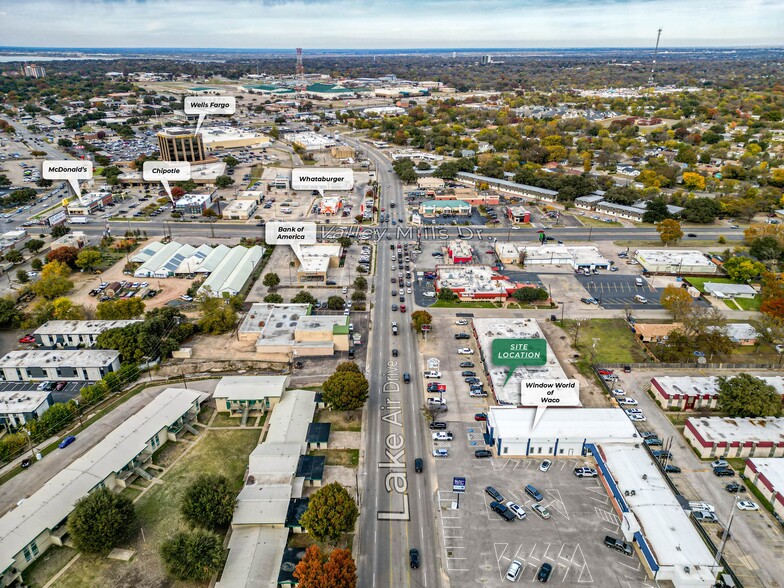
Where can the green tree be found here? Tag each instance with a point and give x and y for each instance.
(161, 332)
(335, 303)
(14, 256)
(88, 258)
(36, 264)
(344, 241)
(331, 513)
(271, 280)
(446, 295)
(10, 315)
(361, 284)
(419, 318)
(669, 231)
(209, 502)
(193, 556)
(701, 210)
(60, 230)
(530, 294)
(655, 211)
(224, 181)
(747, 396)
(231, 161)
(101, 520)
(358, 296)
(345, 389)
(274, 132)
(217, 316)
(303, 297)
(766, 248)
(34, 245)
(273, 299)
(22, 276)
(742, 269)
(122, 309)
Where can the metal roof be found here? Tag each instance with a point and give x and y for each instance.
(147, 252)
(213, 259)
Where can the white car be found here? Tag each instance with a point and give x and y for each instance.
(541, 511)
(747, 505)
(637, 418)
(627, 401)
(719, 463)
(698, 505)
(440, 453)
(619, 392)
(465, 351)
(436, 402)
(408, 290)
(632, 411)
(545, 465)
(517, 509)
(461, 322)
(429, 294)
(432, 374)
(442, 436)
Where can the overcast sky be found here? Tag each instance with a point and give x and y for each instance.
(336, 24)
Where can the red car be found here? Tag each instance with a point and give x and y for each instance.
(480, 416)
(60, 385)
(605, 372)
(27, 339)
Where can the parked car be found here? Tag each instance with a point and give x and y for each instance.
(585, 472)
(618, 392)
(467, 364)
(661, 454)
(480, 416)
(734, 488)
(66, 442)
(60, 385)
(541, 511)
(719, 463)
(703, 516)
(618, 545)
(26, 463)
(442, 436)
(518, 510)
(432, 374)
(545, 465)
(467, 373)
(653, 442)
(544, 572)
(502, 511)
(627, 401)
(534, 493)
(483, 453)
(27, 339)
(462, 336)
(438, 425)
(747, 505)
(672, 469)
(440, 453)
(461, 322)
(723, 472)
(465, 351)
(494, 494)
(514, 570)
(42, 386)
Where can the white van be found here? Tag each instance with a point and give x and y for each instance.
(703, 506)
(638, 281)
(514, 571)
(641, 299)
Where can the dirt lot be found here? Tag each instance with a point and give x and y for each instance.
(172, 288)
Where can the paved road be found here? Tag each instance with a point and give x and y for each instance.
(397, 503)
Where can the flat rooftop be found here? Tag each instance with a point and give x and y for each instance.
(316, 258)
(578, 256)
(250, 387)
(488, 329)
(729, 430)
(773, 470)
(704, 385)
(472, 279)
(254, 558)
(59, 357)
(218, 134)
(92, 327)
(597, 425)
(666, 526)
(277, 323)
(687, 257)
(21, 402)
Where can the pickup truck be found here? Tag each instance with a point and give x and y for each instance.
(394, 328)
(618, 545)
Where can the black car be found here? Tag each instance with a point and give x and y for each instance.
(734, 488)
(467, 364)
(462, 336)
(544, 572)
(472, 380)
(467, 373)
(671, 469)
(503, 511)
(438, 425)
(298, 365)
(418, 463)
(691, 235)
(494, 494)
(394, 353)
(483, 453)
(26, 463)
(413, 558)
(662, 454)
(722, 472)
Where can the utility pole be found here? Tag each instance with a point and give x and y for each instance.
(655, 54)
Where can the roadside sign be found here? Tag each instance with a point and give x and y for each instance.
(425, 327)
(458, 485)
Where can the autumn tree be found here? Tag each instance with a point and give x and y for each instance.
(419, 318)
(742, 269)
(218, 315)
(694, 181)
(88, 258)
(65, 255)
(331, 513)
(315, 570)
(669, 231)
(122, 309)
(54, 280)
(676, 300)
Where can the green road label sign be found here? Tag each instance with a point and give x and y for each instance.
(519, 352)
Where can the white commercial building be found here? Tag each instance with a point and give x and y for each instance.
(18, 408)
(82, 365)
(241, 395)
(322, 178)
(233, 272)
(232, 138)
(675, 261)
(767, 475)
(39, 522)
(474, 282)
(75, 333)
(240, 210)
(714, 437)
(164, 261)
(575, 257)
(722, 290)
(310, 141)
(509, 392)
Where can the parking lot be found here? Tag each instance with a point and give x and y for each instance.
(479, 546)
(618, 291)
(70, 391)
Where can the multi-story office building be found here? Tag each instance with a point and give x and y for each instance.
(181, 145)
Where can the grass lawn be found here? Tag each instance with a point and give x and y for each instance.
(341, 420)
(47, 565)
(218, 452)
(131, 493)
(592, 222)
(458, 304)
(339, 457)
(748, 303)
(615, 342)
(222, 419)
(699, 283)
(205, 413)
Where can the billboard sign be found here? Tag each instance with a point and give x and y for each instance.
(322, 178)
(458, 484)
(57, 218)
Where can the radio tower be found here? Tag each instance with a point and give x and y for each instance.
(655, 53)
(300, 70)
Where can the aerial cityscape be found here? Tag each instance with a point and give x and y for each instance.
(400, 295)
